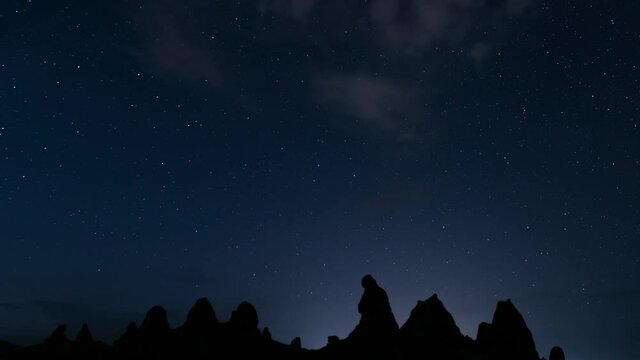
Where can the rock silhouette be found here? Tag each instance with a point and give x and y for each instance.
(431, 322)
(333, 340)
(266, 334)
(201, 317)
(431, 329)
(430, 332)
(296, 343)
(556, 353)
(376, 320)
(155, 324)
(507, 337)
(131, 334)
(58, 336)
(244, 319)
(84, 336)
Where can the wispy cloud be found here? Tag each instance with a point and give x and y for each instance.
(381, 97)
(411, 27)
(406, 32)
(171, 48)
(381, 104)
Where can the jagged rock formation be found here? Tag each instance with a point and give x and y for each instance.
(556, 353)
(507, 337)
(58, 336)
(377, 320)
(431, 322)
(84, 336)
(296, 343)
(155, 323)
(333, 340)
(130, 335)
(199, 332)
(201, 318)
(266, 334)
(430, 332)
(244, 318)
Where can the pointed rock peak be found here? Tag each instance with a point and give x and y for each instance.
(433, 302)
(556, 353)
(58, 335)
(244, 317)
(155, 321)
(132, 332)
(84, 335)
(201, 316)
(508, 335)
(507, 314)
(431, 321)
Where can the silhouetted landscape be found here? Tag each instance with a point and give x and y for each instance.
(430, 332)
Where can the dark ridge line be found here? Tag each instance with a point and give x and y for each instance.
(429, 332)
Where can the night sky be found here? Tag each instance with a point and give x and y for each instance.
(153, 152)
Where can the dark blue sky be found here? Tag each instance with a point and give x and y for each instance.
(153, 152)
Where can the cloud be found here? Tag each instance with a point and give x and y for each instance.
(410, 27)
(377, 40)
(404, 32)
(172, 49)
(382, 104)
(413, 27)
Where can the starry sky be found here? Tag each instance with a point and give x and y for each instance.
(275, 151)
